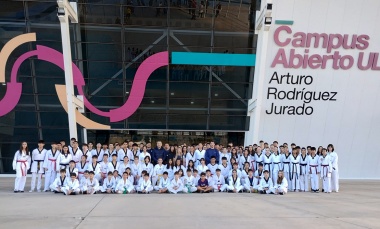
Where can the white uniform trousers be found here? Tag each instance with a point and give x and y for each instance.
(49, 179)
(222, 188)
(171, 190)
(314, 181)
(238, 188)
(33, 182)
(304, 183)
(66, 190)
(335, 180)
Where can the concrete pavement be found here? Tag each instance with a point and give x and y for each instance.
(357, 205)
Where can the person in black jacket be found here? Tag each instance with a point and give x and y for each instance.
(158, 152)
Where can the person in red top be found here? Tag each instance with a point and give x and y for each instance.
(203, 186)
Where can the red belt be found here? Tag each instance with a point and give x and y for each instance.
(23, 172)
(54, 161)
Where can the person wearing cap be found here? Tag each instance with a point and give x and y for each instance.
(71, 169)
(50, 166)
(219, 183)
(266, 184)
(72, 185)
(38, 157)
(234, 184)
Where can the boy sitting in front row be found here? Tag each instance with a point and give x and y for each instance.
(176, 185)
(124, 186)
(92, 184)
(189, 186)
(146, 186)
(72, 186)
(59, 182)
(164, 184)
(266, 184)
(108, 184)
(203, 186)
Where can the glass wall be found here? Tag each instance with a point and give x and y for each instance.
(108, 44)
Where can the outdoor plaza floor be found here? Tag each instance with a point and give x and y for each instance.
(357, 205)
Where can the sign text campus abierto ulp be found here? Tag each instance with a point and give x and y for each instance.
(300, 57)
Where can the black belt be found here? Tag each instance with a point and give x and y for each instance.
(293, 170)
(269, 166)
(301, 167)
(39, 160)
(288, 163)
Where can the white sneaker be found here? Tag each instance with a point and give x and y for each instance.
(31, 191)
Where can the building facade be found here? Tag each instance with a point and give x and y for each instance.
(113, 37)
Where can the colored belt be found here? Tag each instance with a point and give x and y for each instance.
(54, 161)
(314, 166)
(23, 171)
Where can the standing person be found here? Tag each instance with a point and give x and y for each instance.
(98, 152)
(147, 166)
(82, 166)
(295, 170)
(123, 166)
(281, 186)
(64, 158)
(258, 157)
(234, 184)
(21, 163)
(50, 166)
(190, 156)
(176, 185)
(285, 160)
(200, 153)
(38, 158)
(76, 152)
(86, 151)
(276, 165)
(314, 170)
(135, 170)
(225, 154)
(158, 152)
(135, 152)
(113, 164)
(211, 152)
(335, 171)
(170, 154)
(71, 169)
(143, 154)
(267, 160)
(245, 158)
(169, 169)
(326, 168)
(304, 171)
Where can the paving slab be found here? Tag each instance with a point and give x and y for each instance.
(357, 205)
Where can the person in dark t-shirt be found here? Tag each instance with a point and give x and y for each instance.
(203, 186)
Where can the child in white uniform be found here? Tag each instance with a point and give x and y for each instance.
(234, 184)
(314, 170)
(326, 168)
(219, 183)
(59, 182)
(176, 185)
(124, 186)
(50, 166)
(266, 184)
(146, 185)
(335, 170)
(71, 169)
(281, 186)
(304, 171)
(164, 184)
(109, 184)
(249, 184)
(92, 183)
(189, 185)
(72, 185)
(82, 167)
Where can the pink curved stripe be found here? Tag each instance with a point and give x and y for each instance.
(18, 63)
(11, 98)
(138, 86)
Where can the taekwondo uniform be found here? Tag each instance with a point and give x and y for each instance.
(112, 167)
(163, 184)
(108, 185)
(92, 185)
(243, 160)
(234, 184)
(123, 167)
(314, 169)
(199, 155)
(71, 185)
(201, 168)
(175, 184)
(50, 163)
(334, 172)
(88, 153)
(59, 182)
(250, 183)
(70, 170)
(83, 184)
(304, 173)
(77, 155)
(226, 155)
(281, 188)
(189, 157)
(189, 185)
(326, 169)
(21, 163)
(147, 167)
(99, 153)
(81, 168)
(170, 171)
(225, 170)
(267, 163)
(266, 184)
(63, 161)
(276, 166)
(142, 157)
(124, 185)
(212, 168)
(294, 173)
(157, 173)
(38, 158)
(219, 183)
(285, 160)
(96, 169)
(145, 185)
(258, 159)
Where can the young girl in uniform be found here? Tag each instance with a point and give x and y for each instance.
(21, 163)
(326, 168)
(178, 165)
(170, 168)
(64, 158)
(285, 160)
(234, 184)
(281, 186)
(191, 165)
(335, 171)
(304, 171)
(267, 160)
(147, 166)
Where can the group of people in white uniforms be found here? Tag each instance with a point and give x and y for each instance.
(261, 168)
